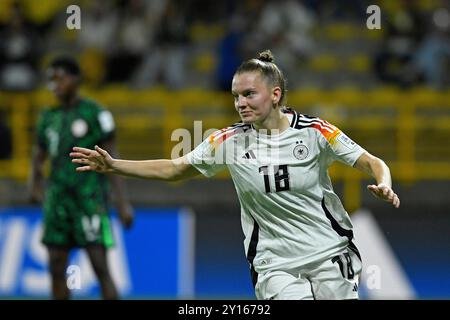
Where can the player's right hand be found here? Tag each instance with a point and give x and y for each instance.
(97, 160)
(36, 195)
(126, 214)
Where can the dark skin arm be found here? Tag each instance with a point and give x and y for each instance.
(124, 208)
(36, 182)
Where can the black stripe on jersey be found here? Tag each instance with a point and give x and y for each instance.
(341, 231)
(306, 124)
(307, 120)
(353, 247)
(249, 155)
(251, 254)
(294, 115)
(308, 116)
(335, 225)
(241, 125)
(300, 121)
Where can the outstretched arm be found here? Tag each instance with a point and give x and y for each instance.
(380, 171)
(99, 160)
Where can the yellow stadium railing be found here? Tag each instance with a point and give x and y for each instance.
(409, 129)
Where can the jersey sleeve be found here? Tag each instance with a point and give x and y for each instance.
(207, 157)
(106, 124)
(340, 147)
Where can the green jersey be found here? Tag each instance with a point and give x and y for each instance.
(59, 130)
(75, 207)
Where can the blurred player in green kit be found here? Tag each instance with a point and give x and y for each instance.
(75, 206)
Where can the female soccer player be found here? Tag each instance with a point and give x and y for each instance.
(298, 236)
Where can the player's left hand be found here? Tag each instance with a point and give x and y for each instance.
(126, 215)
(384, 192)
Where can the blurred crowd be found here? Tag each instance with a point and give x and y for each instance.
(185, 43)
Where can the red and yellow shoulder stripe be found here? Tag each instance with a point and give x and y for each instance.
(329, 131)
(220, 136)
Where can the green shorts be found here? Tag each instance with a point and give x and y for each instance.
(74, 218)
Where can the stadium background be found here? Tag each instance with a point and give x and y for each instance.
(161, 65)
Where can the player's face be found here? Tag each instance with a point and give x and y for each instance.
(253, 98)
(61, 83)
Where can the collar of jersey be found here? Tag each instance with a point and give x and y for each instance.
(269, 136)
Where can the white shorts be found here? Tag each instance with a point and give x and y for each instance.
(333, 279)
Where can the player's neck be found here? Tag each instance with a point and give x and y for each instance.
(70, 101)
(275, 123)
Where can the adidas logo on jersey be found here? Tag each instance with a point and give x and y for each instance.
(355, 287)
(249, 155)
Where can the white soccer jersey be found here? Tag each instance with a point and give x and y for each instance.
(290, 214)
